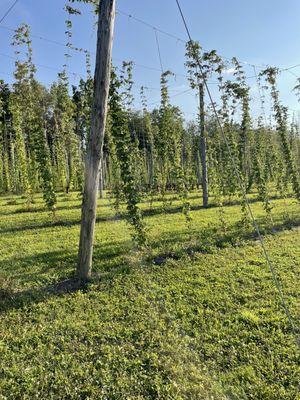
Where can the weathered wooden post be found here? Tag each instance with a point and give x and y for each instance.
(95, 145)
(203, 146)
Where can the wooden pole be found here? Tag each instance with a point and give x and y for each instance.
(203, 146)
(101, 178)
(98, 119)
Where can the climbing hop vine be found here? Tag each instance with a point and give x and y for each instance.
(123, 145)
(270, 75)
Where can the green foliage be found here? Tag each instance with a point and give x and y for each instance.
(270, 75)
(192, 315)
(197, 317)
(28, 122)
(167, 142)
(44, 134)
(123, 146)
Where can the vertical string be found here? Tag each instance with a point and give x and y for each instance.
(158, 50)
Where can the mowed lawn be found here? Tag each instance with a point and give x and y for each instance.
(195, 316)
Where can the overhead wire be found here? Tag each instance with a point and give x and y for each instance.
(150, 25)
(157, 30)
(172, 96)
(8, 11)
(36, 36)
(179, 39)
(76, 74)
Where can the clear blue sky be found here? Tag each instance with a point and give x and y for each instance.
(256, 31)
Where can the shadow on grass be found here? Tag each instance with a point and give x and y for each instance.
(210, 239)
(168, 209)
(10, 299)
(116, 217)
(108, 262)
(52, 223)
(43, 209)
(109, 259)
(149, 212)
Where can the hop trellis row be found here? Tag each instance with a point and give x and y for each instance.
(44, 134)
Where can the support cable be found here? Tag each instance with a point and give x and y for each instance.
(261, 95)
(158, 50)
(8, 11)
(181, 40)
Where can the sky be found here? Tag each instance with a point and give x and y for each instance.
(260, 32)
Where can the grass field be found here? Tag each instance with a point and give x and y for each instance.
(195, 317)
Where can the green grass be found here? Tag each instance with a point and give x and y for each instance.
(195, 317)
